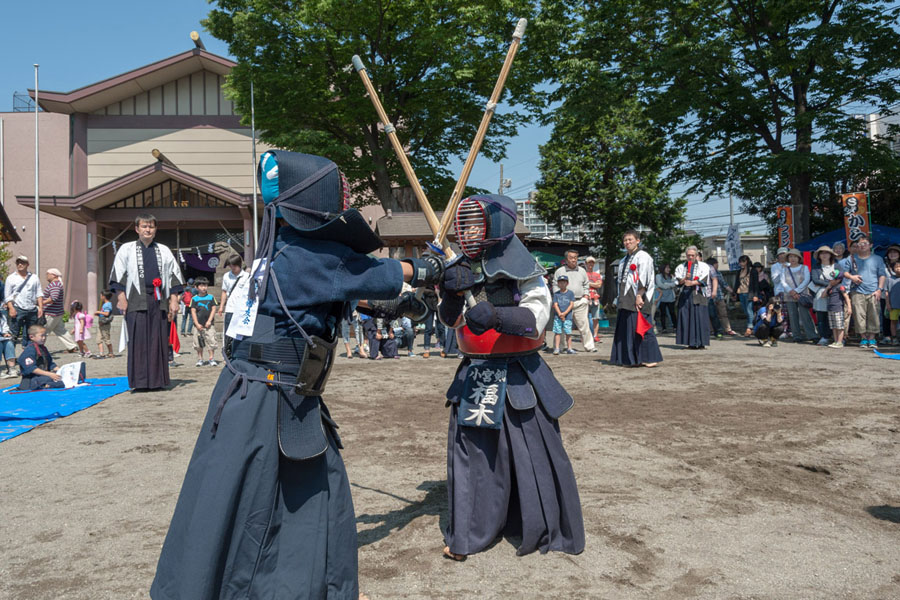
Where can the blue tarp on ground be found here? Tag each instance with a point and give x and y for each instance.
(20, 412)
(882, 237)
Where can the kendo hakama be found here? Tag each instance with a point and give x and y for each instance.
(692, 326)
(516, 480)
(505, 474)
(629, 347)
(135, 269)
(251, 523)
(148, 345)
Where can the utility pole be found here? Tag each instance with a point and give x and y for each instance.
(255, 183)
(504, 183)
(37, 199)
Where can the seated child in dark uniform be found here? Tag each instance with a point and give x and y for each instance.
(36, 363)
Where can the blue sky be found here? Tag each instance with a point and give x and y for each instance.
(85, 42)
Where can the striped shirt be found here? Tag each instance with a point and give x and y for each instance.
(53, 299)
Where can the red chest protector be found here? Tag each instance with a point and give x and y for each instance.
(494, 344)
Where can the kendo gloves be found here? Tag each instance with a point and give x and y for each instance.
(457, 278)
(427, 270)
(405, 305)
(512, 320)
(484, 316)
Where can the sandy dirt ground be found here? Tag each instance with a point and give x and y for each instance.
(733, 472)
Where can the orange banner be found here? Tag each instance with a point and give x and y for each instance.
(784, 222)
(856, 215)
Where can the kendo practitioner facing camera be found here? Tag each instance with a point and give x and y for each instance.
(265, 509)
(507, 470)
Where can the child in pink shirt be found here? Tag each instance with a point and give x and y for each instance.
(82, 331)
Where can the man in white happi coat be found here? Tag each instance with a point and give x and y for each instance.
(147, 282)
(634, 343)
(693, 275)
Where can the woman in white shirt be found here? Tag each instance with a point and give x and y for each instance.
(794, 280)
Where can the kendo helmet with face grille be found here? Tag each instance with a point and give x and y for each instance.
(482, 222)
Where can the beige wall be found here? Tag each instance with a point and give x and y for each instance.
(200, 93)
(754, 246)
(62, 242)
(222, 156)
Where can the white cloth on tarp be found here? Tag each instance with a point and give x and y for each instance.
(71, 373)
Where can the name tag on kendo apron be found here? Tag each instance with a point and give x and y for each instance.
(484, 395)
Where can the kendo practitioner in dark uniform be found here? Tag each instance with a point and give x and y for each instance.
(507, 470)
(36, 363)
(265, 510)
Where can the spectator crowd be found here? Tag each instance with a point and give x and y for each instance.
(849, 293)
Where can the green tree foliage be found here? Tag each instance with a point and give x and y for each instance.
(601, 167)
(433, 64)
(669, 249)
(756, 94)
(5, 256)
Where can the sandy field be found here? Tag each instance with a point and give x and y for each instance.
(733, 472)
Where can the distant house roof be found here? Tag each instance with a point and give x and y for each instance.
(413, 226)
(83, 207)
(95, 96)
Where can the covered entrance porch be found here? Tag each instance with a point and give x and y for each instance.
(199, 220)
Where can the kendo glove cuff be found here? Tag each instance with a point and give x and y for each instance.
(458, 277)
(450, 308)
(516, 320)
(426, 270)
(482, 317)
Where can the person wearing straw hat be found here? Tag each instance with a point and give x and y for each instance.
(795, 281)
(827, 278)
(52, 303)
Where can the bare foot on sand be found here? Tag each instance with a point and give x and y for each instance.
(363, 596)
(452, 556)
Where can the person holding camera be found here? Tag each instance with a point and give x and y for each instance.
(768, 324)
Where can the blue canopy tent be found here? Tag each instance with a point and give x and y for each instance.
(882, 237)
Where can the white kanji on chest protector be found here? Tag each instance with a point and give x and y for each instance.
(481, 404)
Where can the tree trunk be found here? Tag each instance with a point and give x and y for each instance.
(800, 185)
(383, 185)
(611, 254)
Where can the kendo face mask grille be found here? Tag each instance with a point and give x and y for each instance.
(471, 227)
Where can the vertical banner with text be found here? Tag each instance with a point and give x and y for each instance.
(733, 247)
(784, 223)
(856, 215)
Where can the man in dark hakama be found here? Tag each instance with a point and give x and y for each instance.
(147, 281)
(507, 469)
(692, 327)
(265, 509)
(634, 343)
